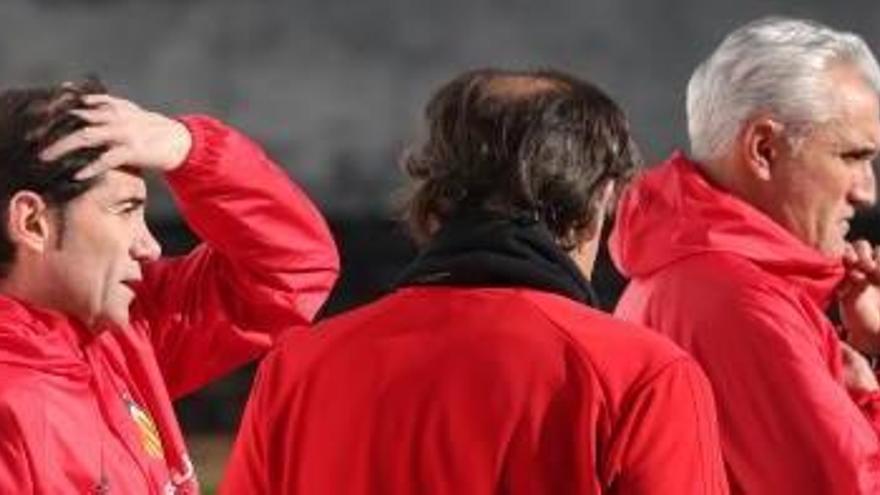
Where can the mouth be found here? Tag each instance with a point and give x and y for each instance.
(133, 284)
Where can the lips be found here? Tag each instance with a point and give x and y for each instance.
(133, 284)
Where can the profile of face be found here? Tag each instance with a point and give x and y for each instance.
(95, 265)
(820, 182)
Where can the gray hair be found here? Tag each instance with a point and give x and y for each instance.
(776, 65)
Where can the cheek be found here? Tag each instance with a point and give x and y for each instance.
(75, 286)
(828, 191)
(89, 264)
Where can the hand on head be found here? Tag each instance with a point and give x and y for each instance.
(134, 137)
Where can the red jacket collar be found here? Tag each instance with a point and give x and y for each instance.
(672, 212)
(42, 339)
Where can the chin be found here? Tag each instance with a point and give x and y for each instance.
(835, 249)
(116, 311)
(121, 322)
(115, 320)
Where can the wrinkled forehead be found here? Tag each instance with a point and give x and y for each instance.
(120, 184)
(855, 109)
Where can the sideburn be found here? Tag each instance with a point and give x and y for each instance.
(60, 215)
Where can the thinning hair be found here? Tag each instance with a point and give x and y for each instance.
(775, 65)
(541, 143)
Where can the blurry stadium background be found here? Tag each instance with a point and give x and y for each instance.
(334, 91)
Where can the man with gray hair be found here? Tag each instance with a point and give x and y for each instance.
(784, 126)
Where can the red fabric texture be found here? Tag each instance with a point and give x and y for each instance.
(268, 264)
(481, 391)
(747, 300)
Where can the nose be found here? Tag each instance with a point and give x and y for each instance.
(146, 247)
(864, 192)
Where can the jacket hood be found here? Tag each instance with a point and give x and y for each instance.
(40, 339)
(672, 212)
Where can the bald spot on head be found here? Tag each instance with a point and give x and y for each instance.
(515, 87)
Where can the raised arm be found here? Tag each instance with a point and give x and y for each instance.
(267, 261)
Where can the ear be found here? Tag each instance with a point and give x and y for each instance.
(29, 223)
(760, 143)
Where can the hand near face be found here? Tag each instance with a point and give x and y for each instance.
(134, 137)
(860, 297)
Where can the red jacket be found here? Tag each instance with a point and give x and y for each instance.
(477, 391)
(746, 299)
(78, 410)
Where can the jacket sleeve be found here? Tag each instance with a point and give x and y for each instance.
(788, 423)
(668, 436)
(248, 469)
(265, 453)
(267, 263)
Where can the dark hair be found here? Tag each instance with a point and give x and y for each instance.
(31, 119)
(541, 143)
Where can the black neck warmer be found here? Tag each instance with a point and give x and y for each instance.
(482, 249)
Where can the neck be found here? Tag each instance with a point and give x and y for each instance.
(584, 256)
(730, 175)
(29, 284)
(25, 287)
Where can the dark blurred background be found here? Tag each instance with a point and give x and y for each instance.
(334, 91)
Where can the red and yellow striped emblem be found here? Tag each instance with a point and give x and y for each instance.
(150, 439)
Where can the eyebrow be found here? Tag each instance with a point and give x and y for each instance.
(861, 152)
(133, 201)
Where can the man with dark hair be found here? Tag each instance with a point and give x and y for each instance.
(97, 333)
(485, 371)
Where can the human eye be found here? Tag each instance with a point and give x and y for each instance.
(130, 207)
(860, 155)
